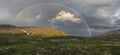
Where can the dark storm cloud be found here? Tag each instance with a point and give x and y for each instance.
(100, 19)
(101, 15)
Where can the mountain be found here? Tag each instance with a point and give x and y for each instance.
(6, 26)
(31, 31)
(111, 35)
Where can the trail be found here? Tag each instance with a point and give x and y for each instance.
(25, 31)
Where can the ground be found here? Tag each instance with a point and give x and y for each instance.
(35, 45)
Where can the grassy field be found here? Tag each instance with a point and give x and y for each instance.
(35, 45)
(51, 41)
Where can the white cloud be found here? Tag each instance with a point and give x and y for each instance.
(38, 17)
(65, 16)
(117, 13)
(115, 16)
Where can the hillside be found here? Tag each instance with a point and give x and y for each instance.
(112, 35)
(6, 26)
(31, 31)
(10, 30)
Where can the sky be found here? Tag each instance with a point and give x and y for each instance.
(77, 17)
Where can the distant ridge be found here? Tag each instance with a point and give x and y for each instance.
(6, 26)
(111, 35)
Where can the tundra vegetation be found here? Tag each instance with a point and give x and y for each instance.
(18, 42)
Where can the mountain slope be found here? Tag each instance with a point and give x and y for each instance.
(112, 35)
(32, 31)
(43, 31)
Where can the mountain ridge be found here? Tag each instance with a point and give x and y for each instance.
(111, 32)
(32, 31)
(111, 35)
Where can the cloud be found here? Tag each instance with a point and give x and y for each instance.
(65, 16)
(98, 2)
(105, 18)
(99, 31)
(30, 20)
(38, 17)
(115, 18)
(102, 14)
(68, 23)
(4, 15)
(27, 21)
(108, 15)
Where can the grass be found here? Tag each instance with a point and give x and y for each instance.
(50, 41)
(34, 45)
